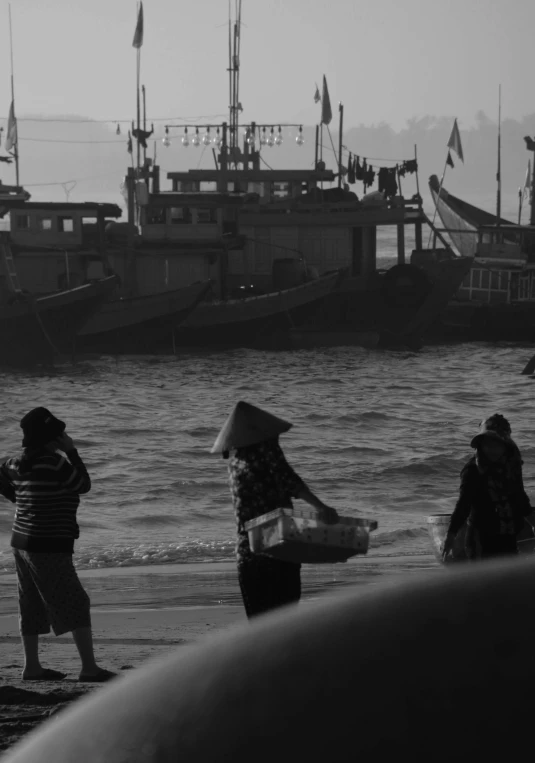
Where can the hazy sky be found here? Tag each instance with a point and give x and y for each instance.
(386, 60)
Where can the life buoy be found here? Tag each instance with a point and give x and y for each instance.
(405, 286)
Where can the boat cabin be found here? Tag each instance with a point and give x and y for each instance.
(507, 244)
(261, 223)
(60, 245)
(504, 266)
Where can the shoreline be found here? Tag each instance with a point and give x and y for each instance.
(205, 584)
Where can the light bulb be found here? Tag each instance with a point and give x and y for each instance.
(118, 130)
(206, 139)
(217, 139)
(278, 139)
(165, 140)
(250, 138)
(300, 139)
(271, 139)
(185, 139)
(263, 137)
(196, 140)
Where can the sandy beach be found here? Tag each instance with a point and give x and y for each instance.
(132, 624)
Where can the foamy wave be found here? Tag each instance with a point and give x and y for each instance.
(144, 554)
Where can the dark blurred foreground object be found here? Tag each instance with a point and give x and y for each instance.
(435, 669)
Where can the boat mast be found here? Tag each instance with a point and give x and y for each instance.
(16, 143)
(340, 143)
(498, 173)
(234, 75)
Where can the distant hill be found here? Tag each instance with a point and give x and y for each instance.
(72, 148)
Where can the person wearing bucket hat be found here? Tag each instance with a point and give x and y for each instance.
(492, 502)
(261, 480)
(45, 483)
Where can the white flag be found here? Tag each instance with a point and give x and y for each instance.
(455, 142)
(11, 137)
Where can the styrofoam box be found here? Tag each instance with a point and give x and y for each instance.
(300, 537)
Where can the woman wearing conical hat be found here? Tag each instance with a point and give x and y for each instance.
(261, 480)
(492, 500)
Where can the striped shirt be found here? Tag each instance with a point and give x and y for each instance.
(46, 494)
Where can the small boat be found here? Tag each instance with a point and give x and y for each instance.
(496, 299)
(39, 329)
(140, 324)
(437, 525)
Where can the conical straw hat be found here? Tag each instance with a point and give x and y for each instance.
(248, 425)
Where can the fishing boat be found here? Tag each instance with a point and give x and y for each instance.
(39, 327)
(292, 260)
(496, 299)
(58, 246)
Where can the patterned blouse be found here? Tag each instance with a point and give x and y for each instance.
(260, 480)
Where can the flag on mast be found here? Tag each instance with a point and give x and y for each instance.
(455, 142)
(317, 96)
(527, 190)
(138, 34)
(326, 111)
(11, 136)
(449, 160)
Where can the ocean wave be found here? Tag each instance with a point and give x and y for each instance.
(156, 520)
(364, 416)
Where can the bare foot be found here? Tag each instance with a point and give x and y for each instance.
(45, 674)
(99, 676)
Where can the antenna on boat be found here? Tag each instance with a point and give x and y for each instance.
(498, 173)
(13, 120)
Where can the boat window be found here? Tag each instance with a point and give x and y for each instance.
(179, 215)
(485, 278)
(22, 222)
(281, 190)
(495, 281)
(156, 215)
(207, 216)
(45, 223)
(504, 281)
(89, 221)
(66, 224)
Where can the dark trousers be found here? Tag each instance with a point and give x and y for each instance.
(484, 546)
(268, 583)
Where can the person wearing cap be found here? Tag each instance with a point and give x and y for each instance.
(261, 480)
(492, 500)
(45, 483)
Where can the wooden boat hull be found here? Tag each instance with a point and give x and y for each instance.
(254, 321)
(438, 524)
(140, 324)
(36, 330)
(373, 312)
